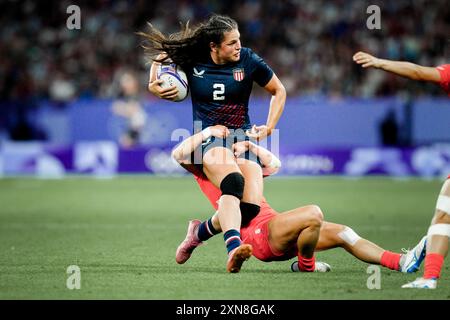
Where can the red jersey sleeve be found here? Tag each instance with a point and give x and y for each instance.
(444, 71)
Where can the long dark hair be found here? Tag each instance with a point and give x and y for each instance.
(187, 46)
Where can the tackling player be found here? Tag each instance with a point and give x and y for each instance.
(439, 231)
(275, 236)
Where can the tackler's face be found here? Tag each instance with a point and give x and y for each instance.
(229, 49)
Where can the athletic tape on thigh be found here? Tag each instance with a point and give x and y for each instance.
(439, 229)
(443, 204)
(349, 236)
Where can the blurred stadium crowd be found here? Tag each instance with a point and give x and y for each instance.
(308, 43)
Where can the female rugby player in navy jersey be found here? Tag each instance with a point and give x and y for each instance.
(221, 74)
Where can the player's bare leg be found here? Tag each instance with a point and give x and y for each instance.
(437, 242)
(218, 163)
(254, 186)
(221, 169)
(282, 233)
(253, 190)
(299, 230)
(334, 235)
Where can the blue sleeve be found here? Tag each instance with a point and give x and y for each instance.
(261, 73)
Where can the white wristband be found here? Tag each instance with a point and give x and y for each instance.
(206, 133)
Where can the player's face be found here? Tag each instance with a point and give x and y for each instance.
(230, 48)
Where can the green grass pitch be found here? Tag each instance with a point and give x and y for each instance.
(123, 233)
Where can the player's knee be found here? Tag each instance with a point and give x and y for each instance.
(316, 222)
(233, 185)
(315, 216)
(248, 212)
(315, 212)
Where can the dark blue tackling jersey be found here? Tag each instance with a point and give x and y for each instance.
(220, 93)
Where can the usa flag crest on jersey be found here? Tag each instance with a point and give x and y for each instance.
(238, 74)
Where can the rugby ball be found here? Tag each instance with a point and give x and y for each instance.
(173, 76)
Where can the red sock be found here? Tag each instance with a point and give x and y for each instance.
(390, 260)
(433, 265)
(306, 264)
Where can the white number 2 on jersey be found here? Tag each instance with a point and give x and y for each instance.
(218, 94)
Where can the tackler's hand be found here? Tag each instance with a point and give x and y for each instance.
(240, 148)
(366, 60)
(259, 132)
(218, 131)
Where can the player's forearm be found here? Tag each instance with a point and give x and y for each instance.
(276, 108)
(409, 70)
(155, 66)
(153, 70)
(267, 158)
(185, 148)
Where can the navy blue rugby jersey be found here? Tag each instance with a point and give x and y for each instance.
(220, 93)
